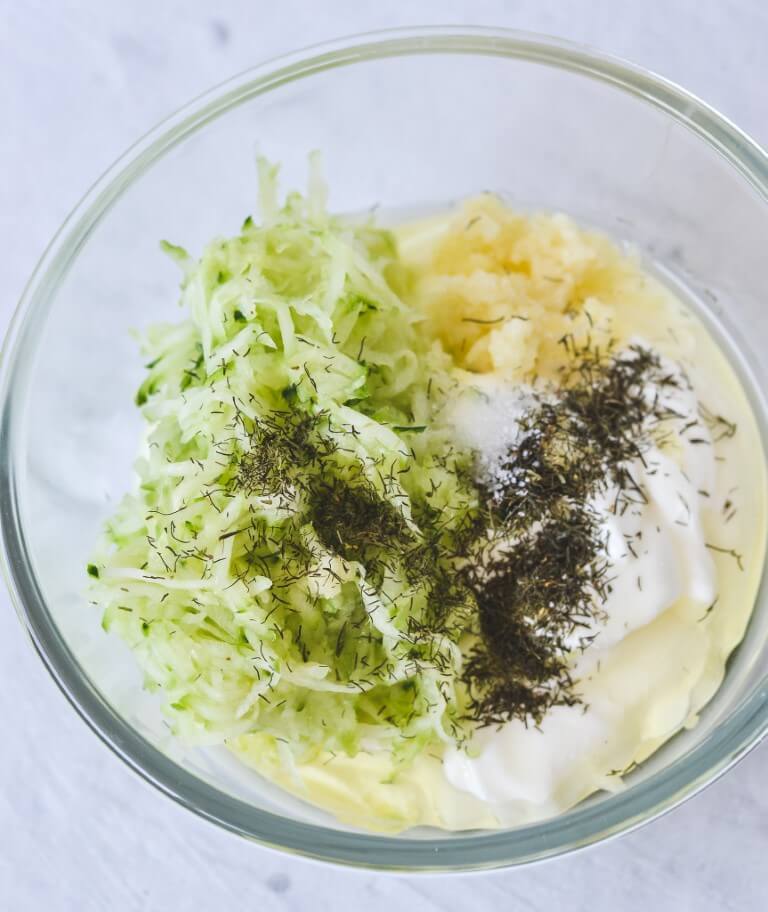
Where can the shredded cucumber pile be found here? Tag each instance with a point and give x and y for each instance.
(278, 568)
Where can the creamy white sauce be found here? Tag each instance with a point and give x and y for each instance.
(658, 558)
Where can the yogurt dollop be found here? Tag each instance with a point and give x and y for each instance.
(659, 561)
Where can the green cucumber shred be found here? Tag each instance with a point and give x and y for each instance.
(279, 567)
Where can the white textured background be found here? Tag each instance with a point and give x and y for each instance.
(79, 81)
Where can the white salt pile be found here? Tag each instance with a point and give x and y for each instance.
(486, 419)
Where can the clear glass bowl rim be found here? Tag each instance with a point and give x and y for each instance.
(583, 826)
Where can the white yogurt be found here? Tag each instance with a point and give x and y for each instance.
(658, 559)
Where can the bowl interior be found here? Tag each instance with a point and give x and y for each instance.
(402, 123)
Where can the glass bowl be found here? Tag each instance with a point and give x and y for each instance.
(403, 119)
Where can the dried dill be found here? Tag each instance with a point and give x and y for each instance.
(530, 598)
(354, 521)
(541, 575)
(279, 443)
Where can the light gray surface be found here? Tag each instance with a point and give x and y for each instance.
(81, 80)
